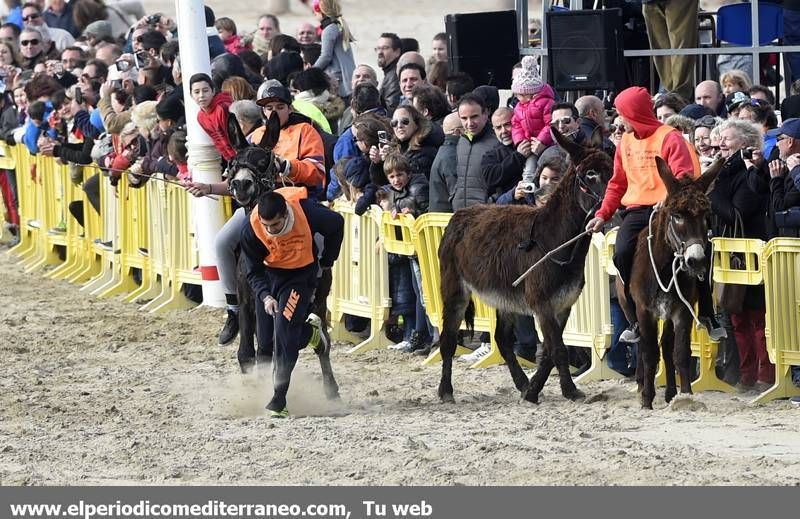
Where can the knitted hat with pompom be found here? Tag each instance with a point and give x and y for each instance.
(527, 80)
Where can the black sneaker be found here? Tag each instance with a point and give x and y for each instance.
(414, 344)
(425, 350)
(231, 328)
(715, 331)
(630, 334)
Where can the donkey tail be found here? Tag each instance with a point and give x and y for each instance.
(469, 318)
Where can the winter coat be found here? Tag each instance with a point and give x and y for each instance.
(214, 121)
(421, 158)
(532, 119)
(113, 121)
(8, 119)
(784, 195)
(471, 185)
(413, 196)
(390, 87)
(332, 107)
(442, 183)
(334, 59)
(502, 168)
(234, 45)
(732, 193)
(401, 289)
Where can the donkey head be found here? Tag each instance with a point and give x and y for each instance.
(593, 167)
(252, 170)
(687, 212)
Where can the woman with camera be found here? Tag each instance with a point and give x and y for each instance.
(740, 210)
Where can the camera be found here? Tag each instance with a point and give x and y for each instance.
(528, 187)
(123, 65)
(383, 138)
(153, 19)
(747, 153)
(59, 69)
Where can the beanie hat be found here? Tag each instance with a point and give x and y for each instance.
(143, 115)
(99, 28)
(527, 80)
(170, 108)
(695, 111)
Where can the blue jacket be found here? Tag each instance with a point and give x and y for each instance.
(32, 132)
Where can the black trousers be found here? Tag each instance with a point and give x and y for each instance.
(294, 293)
(92, 189)
(633, 221)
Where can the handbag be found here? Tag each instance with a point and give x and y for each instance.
(730, 296)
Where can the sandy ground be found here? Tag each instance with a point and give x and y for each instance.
(95, 392)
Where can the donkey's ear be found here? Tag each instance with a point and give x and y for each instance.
(235, 135)
(273, 133)
(706, 181)
(573, 149)
(596, 139)
(666, 175)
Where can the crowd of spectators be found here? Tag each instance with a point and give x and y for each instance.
(89, 81)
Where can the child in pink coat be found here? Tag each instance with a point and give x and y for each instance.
(531, 119)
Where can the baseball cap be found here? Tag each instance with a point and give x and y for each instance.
(272, 90)
(790, 127)
(736, 99)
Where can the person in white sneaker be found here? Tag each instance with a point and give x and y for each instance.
(477, 354)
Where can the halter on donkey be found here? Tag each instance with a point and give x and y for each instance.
(486, 248)
(670, 257)
(251, 173)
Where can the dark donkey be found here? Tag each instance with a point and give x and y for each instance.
(670, 254)
(250, 173)
(486, 247)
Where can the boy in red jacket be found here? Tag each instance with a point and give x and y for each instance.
(213, 115)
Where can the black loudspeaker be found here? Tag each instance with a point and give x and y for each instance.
(483, 45)
(585, 50)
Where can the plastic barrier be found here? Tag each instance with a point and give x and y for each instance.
(360, 279)
(781, 260)
(701, 345)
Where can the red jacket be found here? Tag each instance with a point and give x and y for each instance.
(636, 107)
(214, 121)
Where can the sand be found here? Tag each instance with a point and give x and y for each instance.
(95, 392)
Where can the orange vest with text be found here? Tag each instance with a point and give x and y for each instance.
(295, 249)
(645, 187)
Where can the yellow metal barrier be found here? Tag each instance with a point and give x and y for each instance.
(28, 202)
(179, 250)
(68, 233)
(108, 259)
(89, 264)
(781, 259)
(360, 278)
(396, 234)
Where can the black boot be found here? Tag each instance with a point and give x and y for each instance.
(231, 328)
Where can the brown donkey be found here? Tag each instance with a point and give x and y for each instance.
(675, 247)
(486, 247)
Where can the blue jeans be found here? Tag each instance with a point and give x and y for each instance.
(423, 324)
(622, 356)
(791, 36)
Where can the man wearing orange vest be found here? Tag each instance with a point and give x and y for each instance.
(637, 186)
(283, 265)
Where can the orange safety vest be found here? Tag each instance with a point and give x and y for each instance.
(294, 249)
(645, 186)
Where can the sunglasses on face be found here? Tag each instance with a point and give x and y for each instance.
(616, 128)
(405, 121)
(25, 43)
(563, 121)
(31, 17)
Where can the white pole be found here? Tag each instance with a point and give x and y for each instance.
(204, 163)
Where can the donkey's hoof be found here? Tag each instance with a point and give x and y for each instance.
(573, 394)
(447, 398)
(531, 396)
(332, 393)
(669, 395)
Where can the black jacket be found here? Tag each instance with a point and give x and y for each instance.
(733, 193)
(502, 168)
(783, 195)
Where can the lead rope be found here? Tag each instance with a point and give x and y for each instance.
(677, 266)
